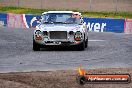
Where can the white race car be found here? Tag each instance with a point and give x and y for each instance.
(61, 28)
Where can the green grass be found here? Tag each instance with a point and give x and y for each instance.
(108, 14)
(19, 10)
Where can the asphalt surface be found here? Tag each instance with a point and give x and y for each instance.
(106, 50)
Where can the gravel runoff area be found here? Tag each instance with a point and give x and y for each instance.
(57, 79)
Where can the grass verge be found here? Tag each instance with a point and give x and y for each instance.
(19, 10)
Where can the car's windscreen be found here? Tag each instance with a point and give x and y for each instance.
(61, 18)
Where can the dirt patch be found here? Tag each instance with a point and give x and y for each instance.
(57, 79)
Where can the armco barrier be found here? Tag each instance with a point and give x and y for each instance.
(128, 26)
(15, 20)
(105, 24)
(30, 21)
(22, 20)
(93, 24)
(3, 19)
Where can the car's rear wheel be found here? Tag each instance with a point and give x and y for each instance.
(36, 47)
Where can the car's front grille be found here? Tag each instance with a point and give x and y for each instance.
(58, 35)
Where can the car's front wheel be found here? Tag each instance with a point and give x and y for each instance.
(36, 47)
(81, 46)
(86, 43)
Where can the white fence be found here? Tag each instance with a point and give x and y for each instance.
(83, 5)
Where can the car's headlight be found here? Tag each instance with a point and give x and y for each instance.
(38, 35)
(78, 36)
(38, 32)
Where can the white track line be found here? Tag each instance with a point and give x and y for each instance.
(96, 40)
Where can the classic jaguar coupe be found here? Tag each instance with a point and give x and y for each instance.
(61, 28)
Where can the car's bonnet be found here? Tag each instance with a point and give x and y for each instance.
(58, 27)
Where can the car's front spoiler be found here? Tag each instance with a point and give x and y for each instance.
(59, 43)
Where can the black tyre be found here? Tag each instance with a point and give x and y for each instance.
(36, 47)
(86, 43)
(81, 46)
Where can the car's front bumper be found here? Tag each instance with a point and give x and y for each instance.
(58, 43)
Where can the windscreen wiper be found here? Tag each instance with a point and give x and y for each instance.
(48, 22)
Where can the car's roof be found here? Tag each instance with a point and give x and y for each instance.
(58, 12)
(77, 13)
(61, 12)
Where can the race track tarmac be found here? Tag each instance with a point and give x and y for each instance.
(106, 50)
